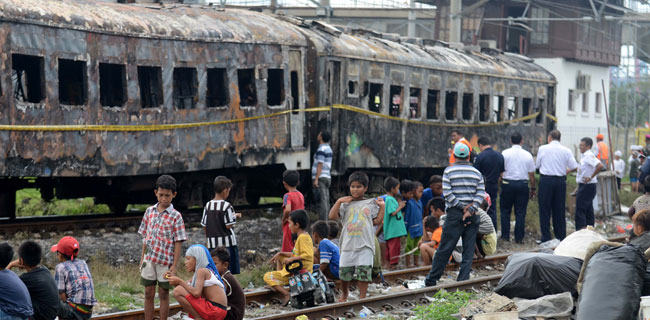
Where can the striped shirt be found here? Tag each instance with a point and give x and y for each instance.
(462, 184)
(217, 216)
(73, 278)
(323, 155)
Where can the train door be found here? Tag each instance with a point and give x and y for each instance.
(296, 100)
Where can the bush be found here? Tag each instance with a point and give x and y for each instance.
(443, 306)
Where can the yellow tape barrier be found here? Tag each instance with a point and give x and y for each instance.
(160, 127)
(552, 117)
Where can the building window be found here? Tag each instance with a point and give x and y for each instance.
(217, 94)
(540, 27)
(497, 108)
(525, 108)
(585, 102)
(28, 78)
(185, 88)
(275, 87)
(247, 91)
(484, 107)
(468, 106)
(598, 102)
(414, 103)
(72, 82)
(396, 93)
(451, 98)
(353, 88)
(513, 105)
(112, 84)
(572, 100)
(433, 104)
(150, 82)
(374, 101)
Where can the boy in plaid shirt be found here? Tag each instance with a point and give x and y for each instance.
(163, 231)
(73, 280)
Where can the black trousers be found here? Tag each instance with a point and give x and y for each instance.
(514, 192)
(493, 190)
(585, 205)
(552, 201)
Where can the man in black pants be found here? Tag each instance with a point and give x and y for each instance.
(490, 164)
(589, 168)
(554, 162)
(519, 171)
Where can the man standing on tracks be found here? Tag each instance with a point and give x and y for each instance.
(464, 191)
(320, 174)
(490, 164)
(603, 150)
(554, 162)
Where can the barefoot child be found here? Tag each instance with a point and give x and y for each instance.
(303, 250)
(234, 292)
(218, 219)
(394, 228)
(292, 200)
(358, 216)
(328, 252)
(203, 297)
(428, 249)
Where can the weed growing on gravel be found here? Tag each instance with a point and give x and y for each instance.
(254, 276)
(443, 306)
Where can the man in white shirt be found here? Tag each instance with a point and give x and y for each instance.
(619, 167)
(519, 172)
(589, 168)
(554, 162)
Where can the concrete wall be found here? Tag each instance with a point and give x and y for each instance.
(576, 124)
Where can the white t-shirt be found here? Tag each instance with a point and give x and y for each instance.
(619, 168)
(588, 164)
(554, 159)
(517, 163)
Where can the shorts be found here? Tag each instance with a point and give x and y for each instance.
(152, 273)
(634, 179)
(489, 244)
(234, 259)
(276, 278)
(359, 273)
(412, 243)
(207, 309)
(287, 240)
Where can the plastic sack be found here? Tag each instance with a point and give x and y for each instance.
(577, 243)
(533, 275)
(612, 284)
(553, 306)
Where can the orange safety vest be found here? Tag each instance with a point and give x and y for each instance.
(452, 159)
(603, 152)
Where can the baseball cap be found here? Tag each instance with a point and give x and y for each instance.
(68, 245)
(461, 150)
(600, 136)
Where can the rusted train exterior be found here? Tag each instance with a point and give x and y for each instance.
(99, 98)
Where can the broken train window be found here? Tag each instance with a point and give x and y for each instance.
(72, 82)
(150, 82)
(468, 106)
(374, 100)
(275, 87)
(217, 94)
(414, 103)
(185, 88)
(112, 84)
(451, 98)
(433, 104)
(28, 78)
(247, 91)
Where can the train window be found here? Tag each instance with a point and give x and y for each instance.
(451, 99)
(28, 78)
(414, 103)
(295, 91)
(396, 94)
(217, 91)
(433, 104)
(365, 89)
(112, 84)
(374, 101)
(150, 82)
(468, 106)
(525, 108)
(513, 105)
(540, 108)
(497, 108)
(484, 107)
(353, 88)
(275, 87)
(72, 82)
(246, 83)
(185, 88)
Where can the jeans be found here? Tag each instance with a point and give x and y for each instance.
(323, 207)
(6, 316)
(452, 230)
(552, 201)
(514, 192)
(584, 205)
(493, 190)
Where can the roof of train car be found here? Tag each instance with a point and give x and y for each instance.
(171, 21)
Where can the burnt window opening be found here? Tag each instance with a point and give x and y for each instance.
(468, 106)
(247, 91)
(433, 104)
(217, 91)
(28, 78)
(353, 88)
(295, 92)
(72, 82)
(513, 106)
(374, 100)
(275, 87)
(540, 108)
(497, 108)
(112, 84)
(414, 103)
(525, 108)
(451, 98)
(396, 93)
(366, 89)
(150, 82)
(484, 107)
(185, 88)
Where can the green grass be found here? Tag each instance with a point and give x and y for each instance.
(29, 203)
(270, 200)
(254, 275)
(444, 306)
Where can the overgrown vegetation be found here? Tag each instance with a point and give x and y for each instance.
(29, 203)
(444, 305)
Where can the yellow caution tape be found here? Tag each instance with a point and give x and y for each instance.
(552, 117)
(161, 127)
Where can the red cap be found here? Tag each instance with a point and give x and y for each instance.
(600, 136)
(67, 245)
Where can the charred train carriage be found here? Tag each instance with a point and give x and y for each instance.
(99, 98)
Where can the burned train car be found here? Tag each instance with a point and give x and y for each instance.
(99, 98)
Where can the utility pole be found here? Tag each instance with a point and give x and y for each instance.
(411, 25)
(328, 9)
(455, 8)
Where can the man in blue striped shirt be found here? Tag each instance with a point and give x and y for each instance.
(464, 191)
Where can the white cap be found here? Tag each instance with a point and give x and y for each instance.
(618, 153)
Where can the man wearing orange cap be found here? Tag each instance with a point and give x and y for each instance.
(603, 150)
(73, 280)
